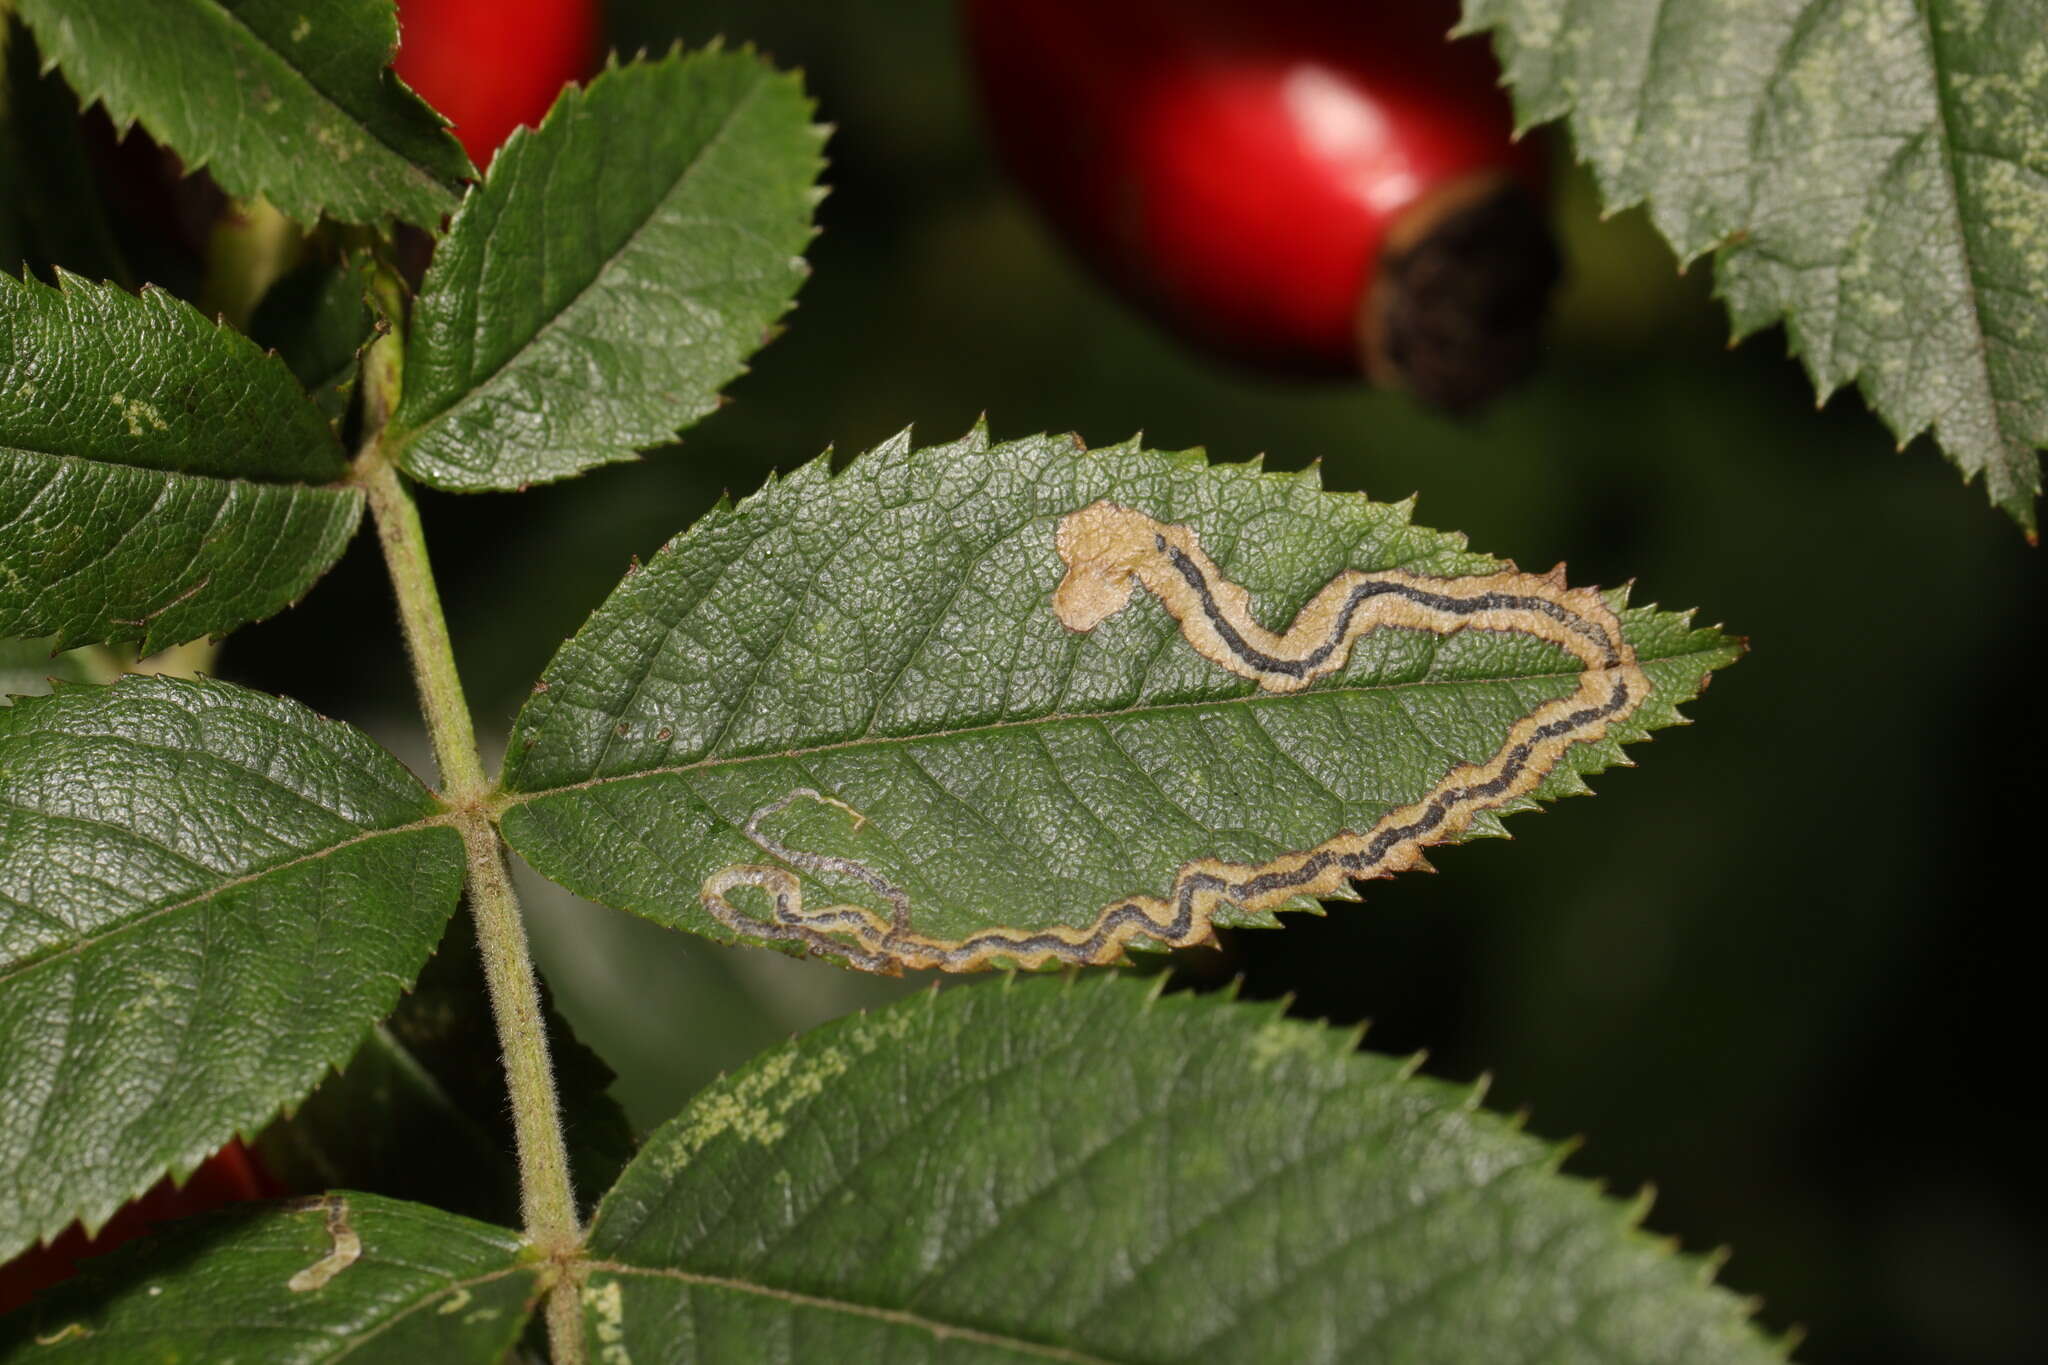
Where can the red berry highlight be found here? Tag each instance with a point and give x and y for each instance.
(492, 65)
(1310, 187)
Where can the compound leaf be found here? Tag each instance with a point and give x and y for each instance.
(296, 103)
(988, 703)
(616, 267)
(160, 478)
(207, 895)
(1873, 173)
(350, 1276)
(1084, 1172)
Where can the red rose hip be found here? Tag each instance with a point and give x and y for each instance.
(1311, 187)
(230, 1176)
(491, 65)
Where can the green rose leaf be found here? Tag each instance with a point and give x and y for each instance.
(988, 703)
(318, 320)
(614, 270)
(295, 102)
(1085, 1172)
(351, 1276)
(160, 477)
(421, 1111)
(1872, 173)
(207, 896)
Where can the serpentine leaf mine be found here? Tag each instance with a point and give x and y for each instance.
(1111, 551)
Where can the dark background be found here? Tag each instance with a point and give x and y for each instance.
(1779, 970)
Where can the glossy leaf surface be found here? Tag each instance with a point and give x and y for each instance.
(207, 896)
(615, 269)
(161, 478)
(1082, 1172)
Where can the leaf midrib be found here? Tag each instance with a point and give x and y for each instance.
(1986, 384)
(339, 484)
(508, 798)
(473, 391)
(896, 1317)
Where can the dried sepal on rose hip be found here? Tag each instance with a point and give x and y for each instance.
(1307, 186)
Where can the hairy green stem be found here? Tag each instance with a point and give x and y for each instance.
(565, 1316)
(404, 542)
(547, 1198)
(547, 1201)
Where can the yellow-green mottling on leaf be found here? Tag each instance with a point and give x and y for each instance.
(1084, 1171)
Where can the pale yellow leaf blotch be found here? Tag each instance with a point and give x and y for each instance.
(346, 1250)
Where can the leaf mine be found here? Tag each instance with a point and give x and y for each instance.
(1029, 703)
(348, 1249)
(1111, 551)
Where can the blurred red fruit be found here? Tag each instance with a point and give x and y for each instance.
(229, 1176)
(491, 65)
(1313, 186)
